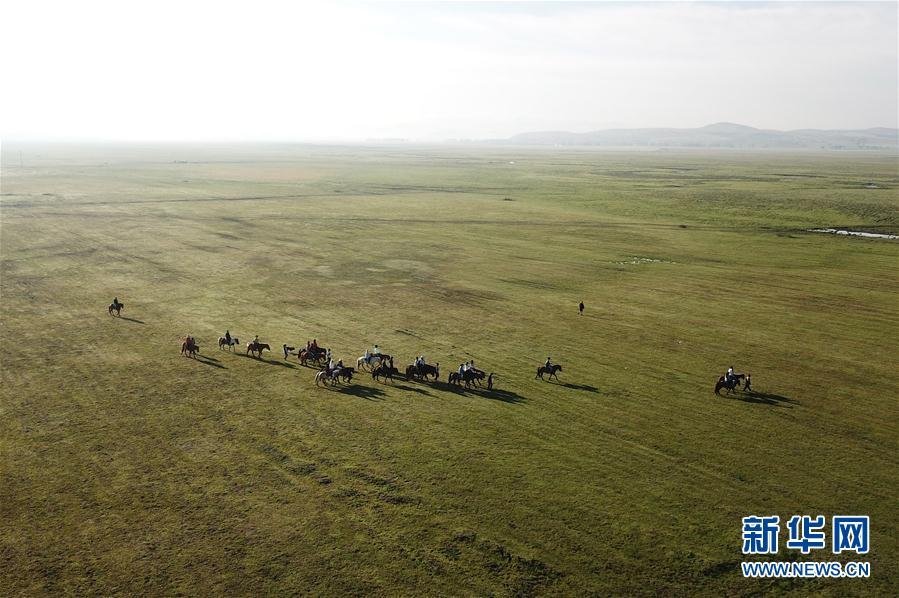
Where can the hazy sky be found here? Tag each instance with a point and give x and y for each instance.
(159, 70)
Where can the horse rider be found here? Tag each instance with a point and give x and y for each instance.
(548, 365)
(729, 375)
(314, 346)
(228, 337)
(115, 301)
(461, 369)
(328, 356)
(376, 351)
(256, 340)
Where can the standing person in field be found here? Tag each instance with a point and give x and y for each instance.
(580, 308)
(490, 381)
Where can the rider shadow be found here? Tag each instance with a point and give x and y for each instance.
(209, 361)
(506, 396)
(764, 398)
(283, 364)
(135, 320)
(417, 389)
(584, 387)
(364, 392)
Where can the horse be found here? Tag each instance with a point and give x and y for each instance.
(287, 350)
(316, 356)
(423, 371)
(190, 349)
(371, 361)
(345, 373)
(384, 370)
(117, 308)
(733, 383)
(223, 342)
(322, 377)
(551, 371)
(253, 347)
(467, 377)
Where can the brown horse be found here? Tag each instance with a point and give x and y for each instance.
(190, 349)
(117, 308)
(255, 348)
(551, 371)
(316, 356)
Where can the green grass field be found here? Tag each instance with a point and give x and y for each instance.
(127, 469)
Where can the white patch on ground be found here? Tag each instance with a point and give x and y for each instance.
(412, 266)
(835, 231)
(644, 260)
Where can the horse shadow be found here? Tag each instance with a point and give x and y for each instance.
(506, 396)
(209, 361)
(764, 398)
(363, 392)
(135, 320)
(584, 387)
(419, 390)
(282, 363)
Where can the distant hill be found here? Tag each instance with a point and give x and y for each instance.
(719, 135)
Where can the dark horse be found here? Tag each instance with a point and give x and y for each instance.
(733, 383)
(117, 308)
(316, 356)
(257, 348)
(467, 377)
(190, 349)
(551, 371)
(386, 371)
(423, 371)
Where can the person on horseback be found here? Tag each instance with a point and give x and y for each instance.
(314, 346)
(461, 369)
(115, 301)
(375, 350)
(729, 375)
(228, 337)
(548, 365)
(328, 356)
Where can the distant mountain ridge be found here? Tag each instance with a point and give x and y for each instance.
(719, 135)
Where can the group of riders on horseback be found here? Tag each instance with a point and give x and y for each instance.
(381, 365)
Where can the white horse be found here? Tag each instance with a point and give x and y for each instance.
(223, 342)
(369, 362)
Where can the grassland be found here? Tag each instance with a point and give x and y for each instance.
(128, 469)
